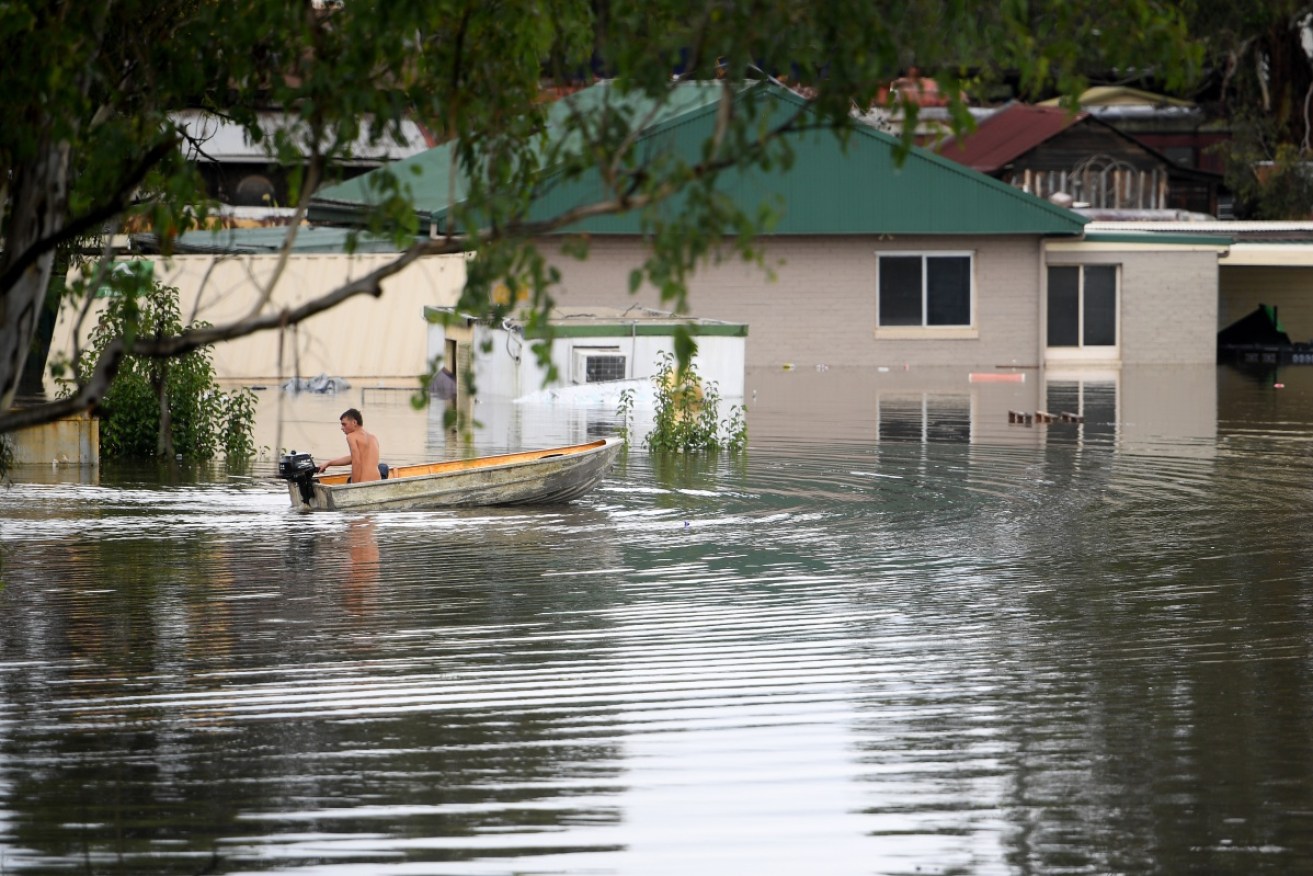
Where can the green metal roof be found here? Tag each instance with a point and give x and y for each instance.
(643, 330)
(428, 176)
(830, 188)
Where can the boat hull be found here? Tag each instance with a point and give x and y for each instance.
(541, 477)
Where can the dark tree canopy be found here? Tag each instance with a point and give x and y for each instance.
(1260, 85)
(87, 143)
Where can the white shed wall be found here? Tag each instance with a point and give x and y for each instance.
(508, 368)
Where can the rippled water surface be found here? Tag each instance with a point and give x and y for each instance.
(899, 636)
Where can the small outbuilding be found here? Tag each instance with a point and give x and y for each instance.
(593, 349)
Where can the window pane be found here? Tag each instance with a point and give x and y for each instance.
(1062, 396)
(1100, 410)
(928, 417)
(1100, 306)
(948, 418)
(900, 290)
(901, 419)
(1064, 304)
(948, 290)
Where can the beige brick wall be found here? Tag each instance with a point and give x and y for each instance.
(1168, 301)
(820, 308)
(1169, 307)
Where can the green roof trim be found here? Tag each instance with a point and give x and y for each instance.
(832, 188)
(642, 330)
(598, 323)
(1160, 238)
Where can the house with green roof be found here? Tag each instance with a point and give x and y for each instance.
(878, 259)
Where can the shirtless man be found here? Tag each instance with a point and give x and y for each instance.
(363, 458)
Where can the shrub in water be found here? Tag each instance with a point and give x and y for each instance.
(164, 406)
(687, 412)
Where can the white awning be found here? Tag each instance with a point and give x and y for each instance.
(1270, 255)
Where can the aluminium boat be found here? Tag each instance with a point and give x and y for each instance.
(533, 477)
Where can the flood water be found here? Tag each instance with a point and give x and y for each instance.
(900, 635)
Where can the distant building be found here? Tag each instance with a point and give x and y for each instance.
(242, 173)
(1048, 150)
(1177, 129)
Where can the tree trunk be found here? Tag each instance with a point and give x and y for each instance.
(32, 382)
(164, 444)
(39, 198)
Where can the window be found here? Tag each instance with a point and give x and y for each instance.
(1094, 399)
(924, 290)
(1082, 306)
(925, 417)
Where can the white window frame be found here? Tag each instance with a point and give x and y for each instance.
(1081, 352)
(924, 331)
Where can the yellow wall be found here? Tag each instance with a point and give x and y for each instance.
(70, 441)
(366, 339)
(1289, 289)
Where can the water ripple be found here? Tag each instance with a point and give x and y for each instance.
(858, 655)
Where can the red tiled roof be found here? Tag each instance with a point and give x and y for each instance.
(1007, 134)
(913, 88)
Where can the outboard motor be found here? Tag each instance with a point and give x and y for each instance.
(300, 469)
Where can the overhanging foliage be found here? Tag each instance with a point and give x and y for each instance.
(87, 147)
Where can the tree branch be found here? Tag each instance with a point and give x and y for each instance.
(92, 219)
(370, 284)
(87, 396)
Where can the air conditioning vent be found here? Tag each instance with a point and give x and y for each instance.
(595, 365)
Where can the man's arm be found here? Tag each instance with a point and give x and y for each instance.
(343, 460)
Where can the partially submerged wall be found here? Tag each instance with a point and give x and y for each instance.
(68, 441)
(364, 339)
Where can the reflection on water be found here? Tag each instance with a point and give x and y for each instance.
(902, 635)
